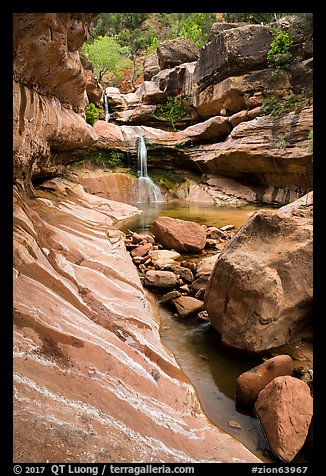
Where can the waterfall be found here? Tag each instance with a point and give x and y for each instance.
(148, 191)
(106, 108)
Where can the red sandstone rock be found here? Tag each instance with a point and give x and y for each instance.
(181, 235)
(91, 375)
(285, 410)
(177, 51)
(250, 383)
(160, 279)
(142, 250)
(187, 306)
(260, 292)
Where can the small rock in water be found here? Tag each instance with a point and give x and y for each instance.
(203, 316)
(202, 356)
(227, 227)
(185, 288)
(171, 295)
(187, 306)
(234, 424)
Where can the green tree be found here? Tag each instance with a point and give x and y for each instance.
(92, 113)
(191, 26)
(279, 55)
(106, 55)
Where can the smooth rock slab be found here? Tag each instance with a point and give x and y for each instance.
(285, 409)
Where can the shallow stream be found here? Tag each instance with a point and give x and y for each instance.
(211, 368)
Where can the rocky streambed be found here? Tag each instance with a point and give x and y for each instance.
(91, 374)
(178, 281)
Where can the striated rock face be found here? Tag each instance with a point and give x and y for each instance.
(56, 37)
(260, 291)
(90, 372)
(49, 90)
(42, 127)
(267, 151)
(285, 410)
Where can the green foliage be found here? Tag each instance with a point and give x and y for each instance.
(92, 113)
(110, 158)
(191, 26)
(279, 55)
(173, 110)
(167, 180)
(275, 106)
(282, 144)
(256, 17)
(106, 55)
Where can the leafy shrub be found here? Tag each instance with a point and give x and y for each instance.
(111, 158)
(279, 55)
(173, 110)
(275, 106)
(92, 113)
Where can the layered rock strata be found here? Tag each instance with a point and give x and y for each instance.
(232, 84)
(91, 375)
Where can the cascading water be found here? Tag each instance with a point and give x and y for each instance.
(106, 108)
(148, 191)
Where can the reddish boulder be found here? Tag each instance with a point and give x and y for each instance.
(187, 306)
(160, 279)
(260, 291)
(180, 235)
(285, 410)
(142, 250)
(250, 383)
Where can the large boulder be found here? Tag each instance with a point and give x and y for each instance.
(232, 52)
(180, 235)
(260, 292)
(251, 382)
(177, 51)
(285, 410)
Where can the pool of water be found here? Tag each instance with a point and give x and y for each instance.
(211, 367)
(204, 214)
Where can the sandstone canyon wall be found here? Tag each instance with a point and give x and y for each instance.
(247, 122)
(92, 380)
